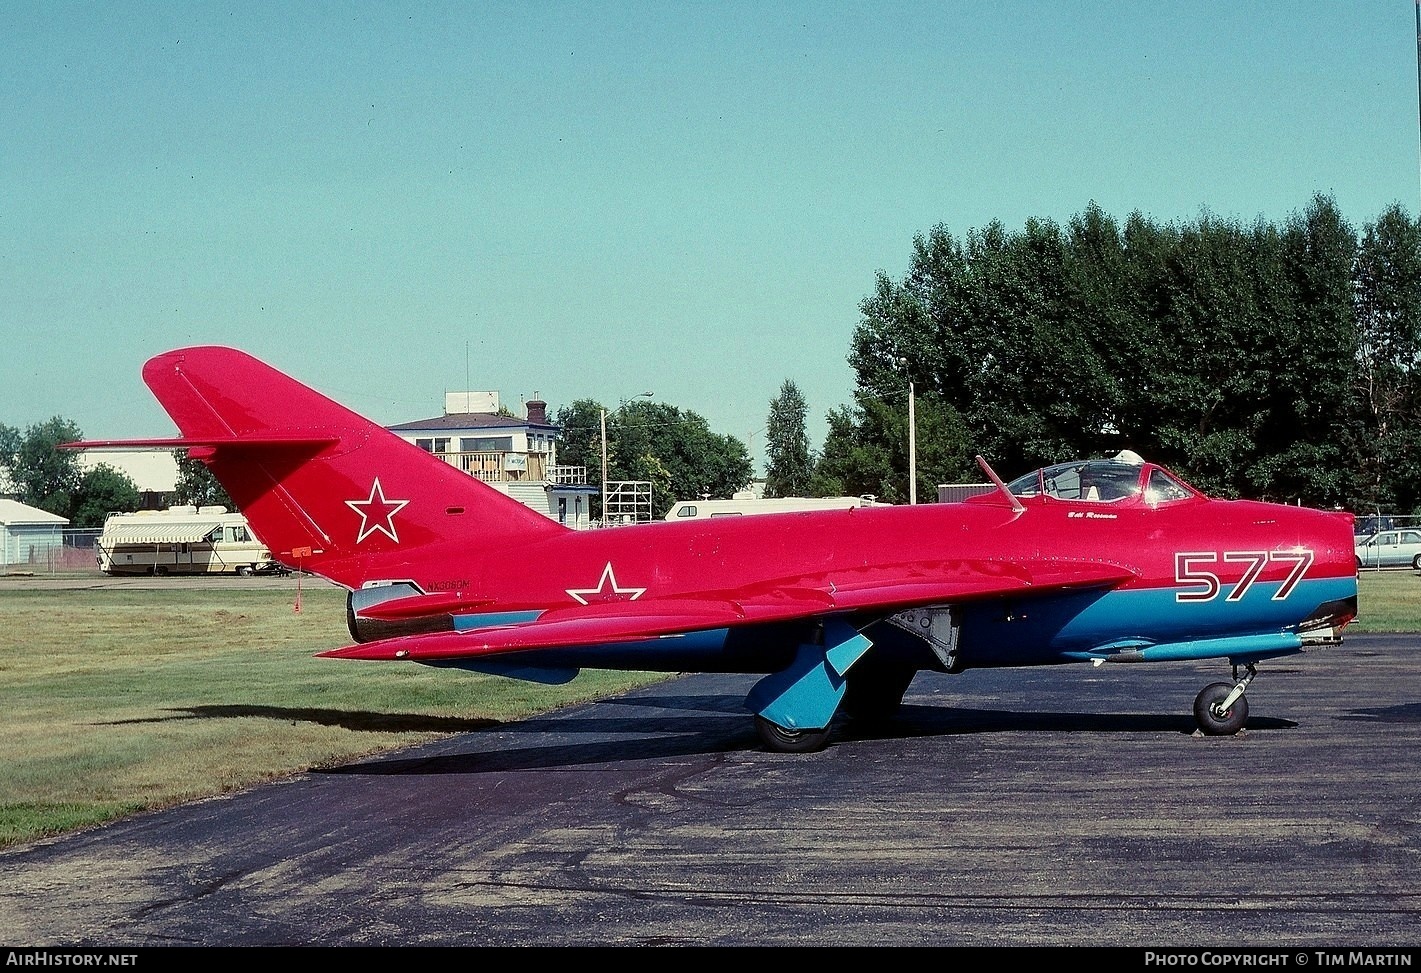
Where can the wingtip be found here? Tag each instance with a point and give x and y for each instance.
(375, 651)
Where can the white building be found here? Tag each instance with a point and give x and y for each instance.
(515, 456)
(29, 536)
(151, 470)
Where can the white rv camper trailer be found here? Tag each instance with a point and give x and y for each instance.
(696, 509)
(182, 540)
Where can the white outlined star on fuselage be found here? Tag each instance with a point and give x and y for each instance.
(603, 592)
(377, 513)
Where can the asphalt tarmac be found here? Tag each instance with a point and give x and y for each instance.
(1072, 806)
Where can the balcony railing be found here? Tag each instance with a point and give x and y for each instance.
(500, 467)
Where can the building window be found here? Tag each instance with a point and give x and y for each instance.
(486, 444)
(434, 445)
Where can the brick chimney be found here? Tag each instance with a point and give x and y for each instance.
(537, 411)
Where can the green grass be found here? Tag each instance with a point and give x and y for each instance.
(114, 701)
(1388, 601)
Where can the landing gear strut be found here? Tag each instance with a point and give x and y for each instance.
(1221, 707)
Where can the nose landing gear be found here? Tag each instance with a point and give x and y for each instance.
(1221, 708)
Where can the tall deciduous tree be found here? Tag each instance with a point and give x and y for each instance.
(9, 446)
(1386, 449)
(44, 475)
(1224, 350)
(675, 450)
(197, 486)
(789, 466)
(49, 478)
(672, 449)
(579, 436)
(103, 490)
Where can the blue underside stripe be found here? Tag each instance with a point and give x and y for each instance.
(1072, 627)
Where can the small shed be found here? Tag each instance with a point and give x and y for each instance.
(29, 536)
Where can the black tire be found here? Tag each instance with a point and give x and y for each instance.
(780, 740)
(244, 570)
(1416, 563)
(160, 570)
(1214, 723)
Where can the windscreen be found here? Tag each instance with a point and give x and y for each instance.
(1100, 480)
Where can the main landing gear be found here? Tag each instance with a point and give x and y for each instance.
(780, 740)
(1221, 708)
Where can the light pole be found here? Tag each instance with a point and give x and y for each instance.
(639, 395)
(913, 434)
(912, 446)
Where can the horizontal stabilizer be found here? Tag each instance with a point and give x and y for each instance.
(266, 440)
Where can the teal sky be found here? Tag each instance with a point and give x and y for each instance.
(592, 199)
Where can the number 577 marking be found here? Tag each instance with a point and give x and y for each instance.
(1188, 570)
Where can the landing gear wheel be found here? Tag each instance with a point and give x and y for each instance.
(1215, 722)
(780, 740)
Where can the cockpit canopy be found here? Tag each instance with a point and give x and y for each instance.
(1121, 477)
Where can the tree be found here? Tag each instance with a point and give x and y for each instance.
(676, 451)
(9, 446)
(1304, 277)
(580, 442)
(1386, 444)
(44, 475)
(103, 490)
(1231, 352)
(196, 485)
(855, 461)
(579, 436)
(789, 465)
(672, 449)
(866, 450)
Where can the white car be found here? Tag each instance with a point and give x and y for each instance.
(1390, 549)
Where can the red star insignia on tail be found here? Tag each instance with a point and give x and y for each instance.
(606, 590)
(377, 513)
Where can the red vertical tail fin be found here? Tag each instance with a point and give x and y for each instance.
(327, 490)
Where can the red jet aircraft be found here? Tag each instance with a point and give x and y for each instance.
(1106, 560)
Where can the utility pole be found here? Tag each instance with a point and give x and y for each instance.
(603, 516)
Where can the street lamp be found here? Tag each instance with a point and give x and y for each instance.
(639, 395)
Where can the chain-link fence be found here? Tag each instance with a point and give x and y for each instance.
(1370, 523)
(51, 552)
